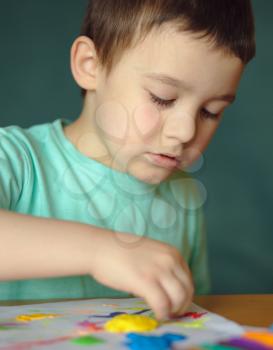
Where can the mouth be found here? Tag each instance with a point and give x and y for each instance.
(164, 160)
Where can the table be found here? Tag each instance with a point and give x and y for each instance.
(246, 309)
(250, 310)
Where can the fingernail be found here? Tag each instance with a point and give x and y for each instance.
(162, 317)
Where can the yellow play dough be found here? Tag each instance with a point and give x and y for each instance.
(34, 317)
(130, 323)
(193, 324)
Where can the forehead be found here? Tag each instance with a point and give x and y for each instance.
(182, 55)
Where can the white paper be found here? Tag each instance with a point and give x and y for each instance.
(36, 333)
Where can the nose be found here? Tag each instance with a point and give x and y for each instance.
(179, 128)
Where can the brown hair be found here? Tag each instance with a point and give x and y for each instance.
(113, 24)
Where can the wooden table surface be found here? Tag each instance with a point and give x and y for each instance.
(249, 310)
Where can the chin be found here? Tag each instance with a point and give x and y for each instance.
(152, 177)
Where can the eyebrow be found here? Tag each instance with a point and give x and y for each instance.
(166, 79)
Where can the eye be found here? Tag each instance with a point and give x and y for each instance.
(160, 101)
(168, 103)
(208, 115)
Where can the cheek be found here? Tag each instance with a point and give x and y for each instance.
(147, 120)
(112, 120)
(195, 149)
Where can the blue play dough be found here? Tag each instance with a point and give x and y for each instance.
(137, 341)
(141, 311)
(116, 313)
(271, 328)
(112, 314)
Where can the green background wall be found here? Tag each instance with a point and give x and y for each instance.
(36, 86)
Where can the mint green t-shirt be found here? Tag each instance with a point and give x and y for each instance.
(43, 174)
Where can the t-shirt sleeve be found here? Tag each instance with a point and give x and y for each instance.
(14, 168)
(199, 259)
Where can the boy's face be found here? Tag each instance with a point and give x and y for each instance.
(134, 127)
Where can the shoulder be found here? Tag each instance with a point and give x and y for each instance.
(17, 135)
(20, 148)
(13, 143)
(25, 141)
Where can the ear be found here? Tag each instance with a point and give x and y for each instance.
(84, 62)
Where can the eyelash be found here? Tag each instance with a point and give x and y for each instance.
(168, 103)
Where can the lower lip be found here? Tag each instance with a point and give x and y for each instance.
(163, 161)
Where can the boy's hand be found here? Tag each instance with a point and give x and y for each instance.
(151, 269)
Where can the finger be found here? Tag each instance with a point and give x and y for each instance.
(187, 283)
(184, 267)
(176, 291)
(156, 297)
(182, 270)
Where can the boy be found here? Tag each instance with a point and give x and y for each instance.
(99, 203)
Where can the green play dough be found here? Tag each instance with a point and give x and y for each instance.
(7, 328)
(216, 347)
(87, 340)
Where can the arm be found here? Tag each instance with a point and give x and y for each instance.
(33, 247)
